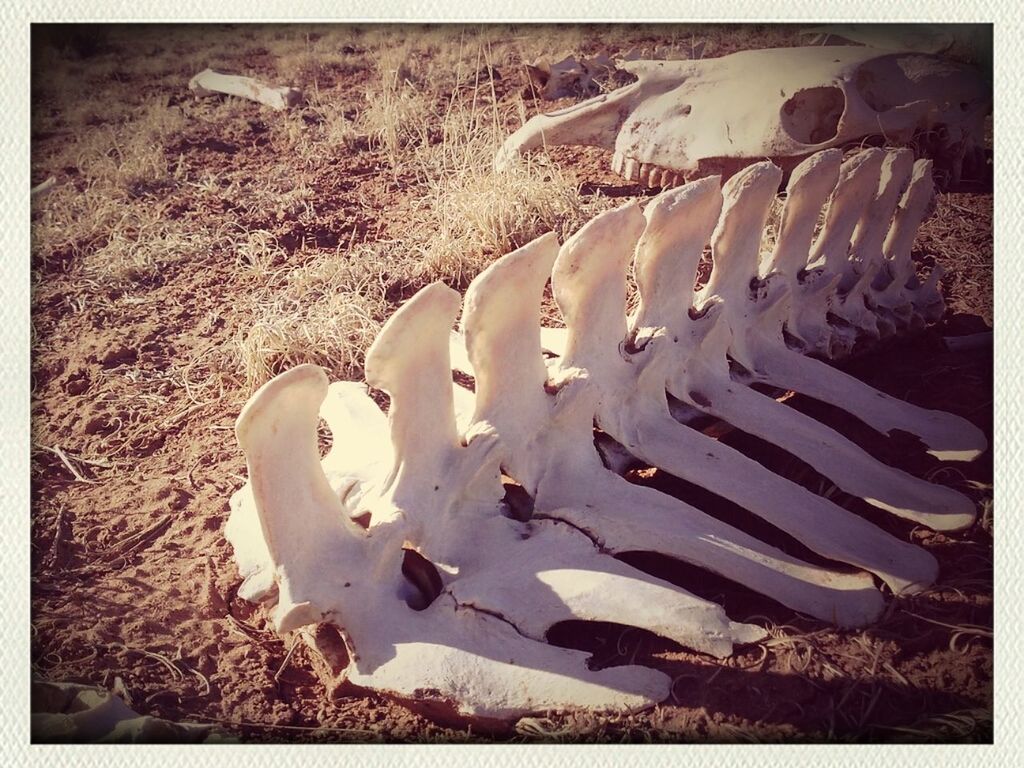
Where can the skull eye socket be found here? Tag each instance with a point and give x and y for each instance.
(811, 115)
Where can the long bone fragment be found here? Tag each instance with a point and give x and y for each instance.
(589, 281)
(759, 340)
(548, 447)
(208, 83)
(700, 365)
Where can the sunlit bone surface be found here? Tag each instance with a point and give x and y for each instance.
(740, 316)
(880, 246)
(477, 646)
(546, 436)
(589, 282)
(686, 119)
(208, 82)
(734, 306)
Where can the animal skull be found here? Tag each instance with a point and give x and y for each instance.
(687, 119)
(399, 536)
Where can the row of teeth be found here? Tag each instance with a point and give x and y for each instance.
(647, 174)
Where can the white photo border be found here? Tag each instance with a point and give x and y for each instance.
(16, 18)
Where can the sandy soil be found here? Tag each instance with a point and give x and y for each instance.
(142, 292)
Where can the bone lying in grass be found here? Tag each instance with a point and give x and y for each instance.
(43, 188)
(763, 333)
(589, 282)
(796, 298)
(399, 536)
(208, 83)
(740, 316)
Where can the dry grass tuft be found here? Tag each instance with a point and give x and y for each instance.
(326, 312)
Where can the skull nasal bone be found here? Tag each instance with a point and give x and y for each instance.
(811, 115)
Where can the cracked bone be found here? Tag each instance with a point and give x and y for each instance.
(686, 119)
(549, 449)
(501, 584)
(209, 83)
(327, 568)
(589, 281)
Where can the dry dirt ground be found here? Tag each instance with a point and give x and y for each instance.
(194, 247)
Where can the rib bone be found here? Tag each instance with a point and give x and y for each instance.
(400, 536)
(700, 370)
(759, 343)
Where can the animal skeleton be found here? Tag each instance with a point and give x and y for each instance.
(685, 119)
(400, 536)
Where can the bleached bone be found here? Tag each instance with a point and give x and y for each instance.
(777, 304)
(71, 712)
(328, 568)
(687, 119)
(499, 584)
(549, 449)
(332, 540)
(861, 281)
(759, 343)
(43, 188)
(208, 83)
(730, 309)
(590, 288)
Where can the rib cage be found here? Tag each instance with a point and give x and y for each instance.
(426, 478)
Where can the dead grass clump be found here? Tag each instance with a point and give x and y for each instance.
(401, 106)
(134, 150)
(337, 125)
(258, 251)
(326, 312)
(477, 214)
(139, 249)
(480, 215)
(397, 116)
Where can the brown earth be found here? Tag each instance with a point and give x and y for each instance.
(144, 296)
